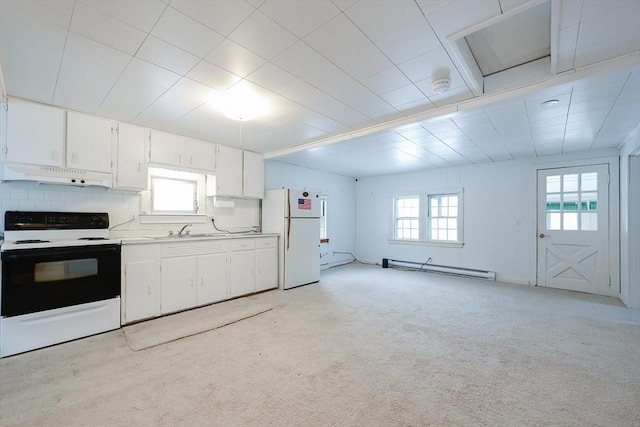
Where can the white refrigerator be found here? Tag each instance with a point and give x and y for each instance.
(295, 216)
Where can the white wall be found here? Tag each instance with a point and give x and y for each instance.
(340, 204)
(499, 215)
(630, 220)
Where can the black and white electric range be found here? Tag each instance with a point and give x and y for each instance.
(60, 279)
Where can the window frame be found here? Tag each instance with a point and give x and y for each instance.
(199, 196)
(425, 218)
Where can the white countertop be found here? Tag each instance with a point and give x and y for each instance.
(191, 238)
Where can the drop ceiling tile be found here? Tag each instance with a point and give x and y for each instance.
(593, 9)
(30, 54)
(386, 81)
(222, 16)
(167, 56)
(262, 36)
(380, 18)
(607, 49)
(427, 65)
(459, 15)
(188, 95)
(337, 38)
(87, 73)
(57, 12)
(138, 87)
(451, 96)
(235, 58)
(186, 33)
(213, 76)
(140, 14)
(363, 63)
(403, 95)
(409, 42)
(105, 29)
(300, 18)
(597, 104)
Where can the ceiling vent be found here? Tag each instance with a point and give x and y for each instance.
(510, 49)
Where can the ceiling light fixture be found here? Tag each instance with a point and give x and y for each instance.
(240, 103)
(441, 85)
(550, 103)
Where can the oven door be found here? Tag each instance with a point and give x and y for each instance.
(41, 279)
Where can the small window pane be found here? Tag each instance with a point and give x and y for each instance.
(553, 202)
(553, 221)
(442, 234)
(453, 200)
(589, 221)
(452, 224)
(172, 195)
(589, 181)
(453, 235)
(553, 184)
(570, 182)
(570, 202)
(589, 201)
(570, 221)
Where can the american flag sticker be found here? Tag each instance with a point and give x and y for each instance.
(304, 204)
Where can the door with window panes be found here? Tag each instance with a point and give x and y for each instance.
(573, 229)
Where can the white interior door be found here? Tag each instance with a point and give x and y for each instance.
(573, 229)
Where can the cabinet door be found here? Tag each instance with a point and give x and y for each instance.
(167, 148)
(141, 290)
(35, 134)
(89, 142)
(229, 171)
(242, 278)
(131, 171)
(212, 278)
(178, 284)
(201, 155)
(266, 269)
(253, 168)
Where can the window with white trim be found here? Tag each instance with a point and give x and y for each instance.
(173, 193)
(428, 218)
(407, 218)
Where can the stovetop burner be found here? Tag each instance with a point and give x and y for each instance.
(31, 241)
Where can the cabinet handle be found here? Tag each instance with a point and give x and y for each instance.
(192, 283)
(149, 290)
(138, 166)
(179, 158)
(202, 281)
(191, 160)
(54, 156)
(74, 158)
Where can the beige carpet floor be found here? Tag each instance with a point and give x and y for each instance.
(364, 347)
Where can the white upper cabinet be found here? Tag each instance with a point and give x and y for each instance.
(253, 167)
(200, 155)
(89, 142)
(167, 148)
(187, 153)
(229, 171)
(131, 158)
(35, 134)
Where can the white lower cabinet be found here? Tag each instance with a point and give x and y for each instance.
(140, 296)
(266, 263)
(178, 284)
(163, 278)
(242, 267)
(213, 282)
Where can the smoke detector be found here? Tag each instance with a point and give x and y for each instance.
(441, 85)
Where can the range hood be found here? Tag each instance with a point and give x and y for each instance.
(54, 175)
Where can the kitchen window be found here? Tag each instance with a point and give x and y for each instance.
(428, 218)
(174, 193)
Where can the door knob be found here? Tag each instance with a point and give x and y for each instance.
(542, 235)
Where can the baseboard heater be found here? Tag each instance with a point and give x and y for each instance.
(446, 269)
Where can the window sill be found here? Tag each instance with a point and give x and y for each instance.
(427, 243)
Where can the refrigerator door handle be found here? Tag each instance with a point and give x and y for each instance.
(288, 231)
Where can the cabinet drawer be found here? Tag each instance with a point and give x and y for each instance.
(266, 242)
(243, 244)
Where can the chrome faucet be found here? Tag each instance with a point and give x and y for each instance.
(182, 229)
